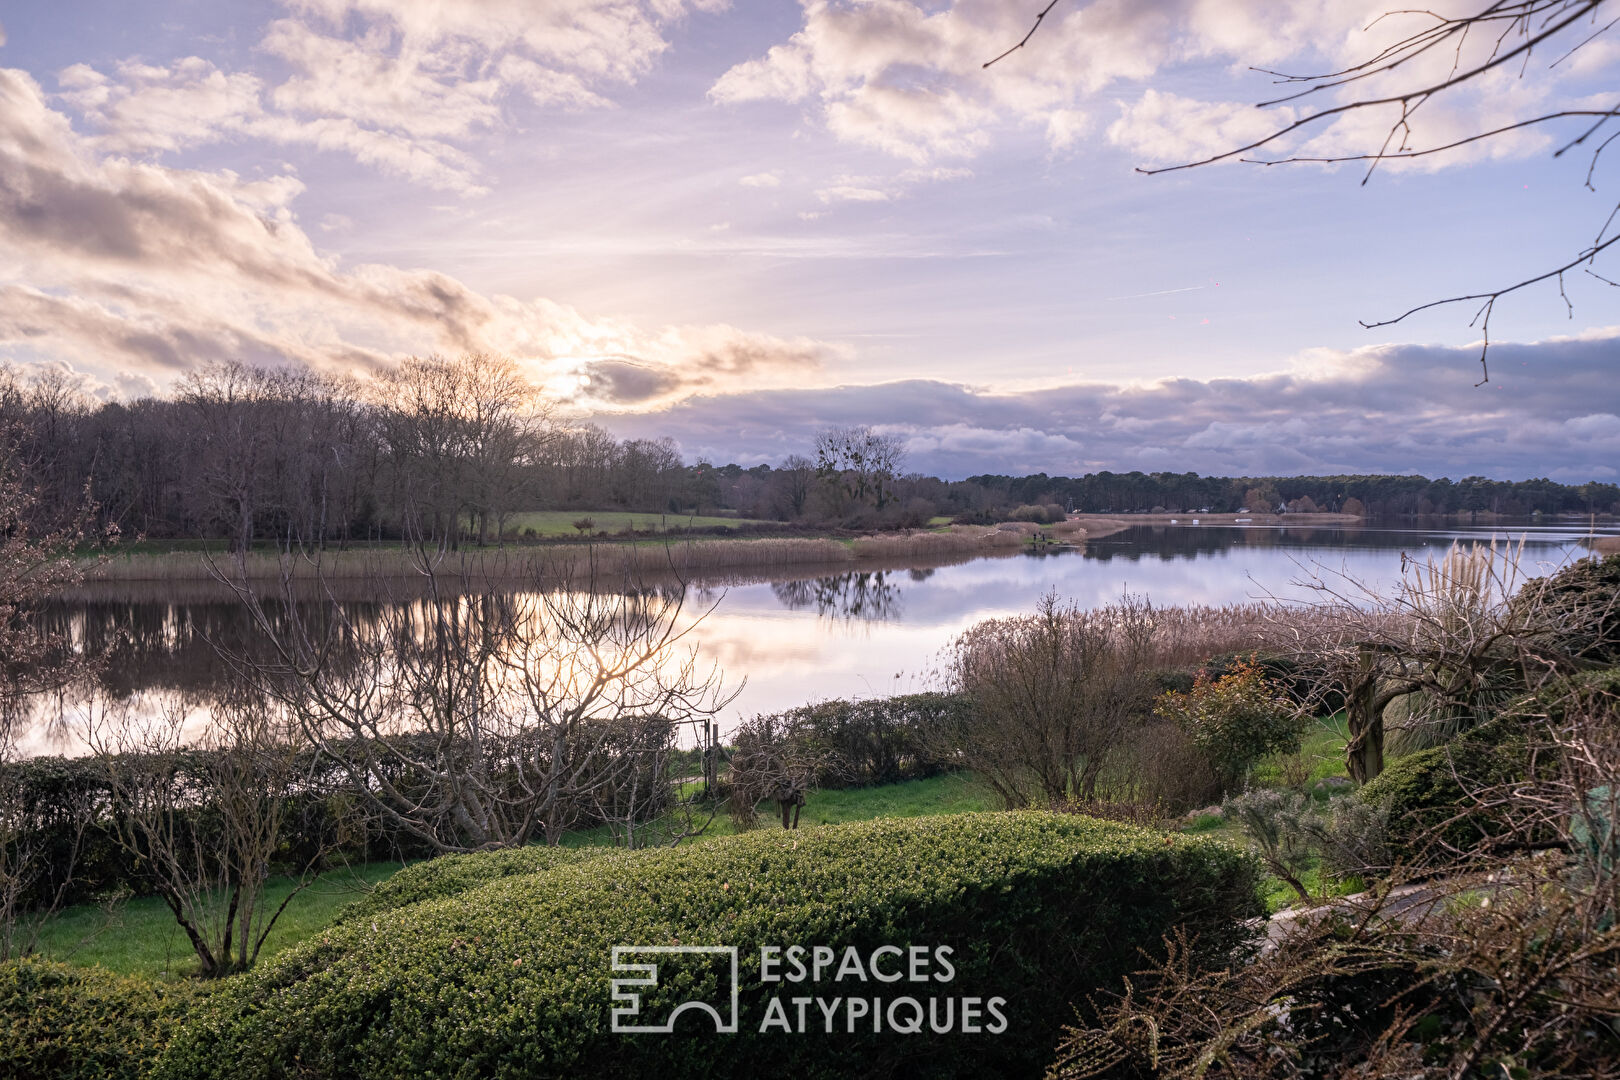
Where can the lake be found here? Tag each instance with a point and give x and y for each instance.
(803, 636)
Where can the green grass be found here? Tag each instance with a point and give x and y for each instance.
(561, 522)
(953, 794)
(141, 936)
(1322, 748)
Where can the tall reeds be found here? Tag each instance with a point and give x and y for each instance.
(568, 560)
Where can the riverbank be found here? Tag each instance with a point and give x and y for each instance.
(1097, 526)
(576, 561)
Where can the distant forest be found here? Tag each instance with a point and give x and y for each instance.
(456, 450)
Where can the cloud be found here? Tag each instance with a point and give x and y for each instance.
(128, 267)
(875, 189)
(850, 193)
(396, 86)
(908, 77)
(764, 180)
(1555, 411)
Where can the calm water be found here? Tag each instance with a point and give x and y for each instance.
(863, 633)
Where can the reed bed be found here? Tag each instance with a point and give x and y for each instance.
(686, 557)
(1606, 545)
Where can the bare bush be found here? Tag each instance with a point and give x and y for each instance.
(778, 758)
(1052, 696)
(205, 815)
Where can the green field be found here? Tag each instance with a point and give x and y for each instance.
(561, 522)
(141, 936)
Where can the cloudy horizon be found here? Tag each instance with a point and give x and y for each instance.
(733, 225)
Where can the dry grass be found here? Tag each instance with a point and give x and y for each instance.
(1606, 545)
(686, 558)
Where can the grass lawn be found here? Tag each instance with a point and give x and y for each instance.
(141, 936)
(561, 522)
(1322, 748)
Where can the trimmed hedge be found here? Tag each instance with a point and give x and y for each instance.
(876, 740)
(65, 1023)
(512, 978)
(452, 875)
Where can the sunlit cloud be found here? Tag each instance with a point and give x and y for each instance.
(132, 267)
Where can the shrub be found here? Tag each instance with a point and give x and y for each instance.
(452, 875)
(63, 1023)
(512, 978)
(1430, 799)
(1279, 823)
(1158, 765)
(872, 741)
(1235, 719)
(1423, 795)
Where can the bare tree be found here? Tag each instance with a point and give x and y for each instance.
(796, 476)
(777, 758)
(205, 813)
(1454, 641)
(35, 563)
(859, 464)
(1397, 81)
(492, 718)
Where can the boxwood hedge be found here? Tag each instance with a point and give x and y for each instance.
(452, 875)
(511, 978)
(69, 1023)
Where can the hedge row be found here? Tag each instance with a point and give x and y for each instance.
(68, 806)
(452, 875)
(876, 740)
(511, 978)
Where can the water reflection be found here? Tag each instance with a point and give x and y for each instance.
(861, 595)
(796, 636)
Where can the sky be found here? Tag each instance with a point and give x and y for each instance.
(736, 224)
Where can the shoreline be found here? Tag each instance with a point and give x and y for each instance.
(1097, 526)
(688, 557)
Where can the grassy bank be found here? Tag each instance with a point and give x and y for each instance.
(574, 561)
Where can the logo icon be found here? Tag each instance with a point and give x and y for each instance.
(627, 1016)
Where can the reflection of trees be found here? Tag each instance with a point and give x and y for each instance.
(860, 595)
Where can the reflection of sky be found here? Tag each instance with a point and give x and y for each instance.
(791, 657)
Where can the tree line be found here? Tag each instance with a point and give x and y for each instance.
(451, 450)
